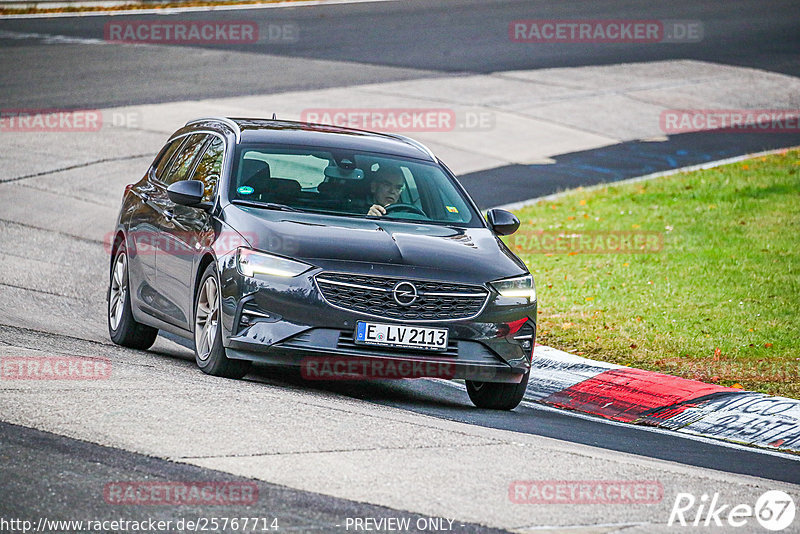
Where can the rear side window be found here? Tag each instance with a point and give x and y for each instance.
(210, 167)
(183, 162)
(166, 156)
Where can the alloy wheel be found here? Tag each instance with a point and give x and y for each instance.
(119, 290)
(206, 318)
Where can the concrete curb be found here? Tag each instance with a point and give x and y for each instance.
(635, 396)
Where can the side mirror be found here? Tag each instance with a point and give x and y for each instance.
(187, 193)
(502, 222)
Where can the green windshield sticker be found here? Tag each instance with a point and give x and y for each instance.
(245, 190)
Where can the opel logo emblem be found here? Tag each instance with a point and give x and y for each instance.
(404, 293)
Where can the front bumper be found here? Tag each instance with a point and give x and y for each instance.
(287, 321)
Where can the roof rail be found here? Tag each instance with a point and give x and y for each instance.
(224, 120)
(415, 144)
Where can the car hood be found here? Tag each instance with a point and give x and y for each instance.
(470, 255)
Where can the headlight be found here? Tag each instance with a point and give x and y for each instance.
(251, 263)
(520, 286)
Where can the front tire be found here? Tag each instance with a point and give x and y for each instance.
(208, 350)
(494, 396)
(122, 327)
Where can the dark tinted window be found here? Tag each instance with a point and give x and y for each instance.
(184, 161)
(166, 155)
(210, 167)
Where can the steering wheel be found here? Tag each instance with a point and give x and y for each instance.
(404, 207)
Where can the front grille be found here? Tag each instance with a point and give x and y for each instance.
(372, 295)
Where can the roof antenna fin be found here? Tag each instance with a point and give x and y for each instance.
(274, 116)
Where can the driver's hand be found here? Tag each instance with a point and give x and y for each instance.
(377, 210)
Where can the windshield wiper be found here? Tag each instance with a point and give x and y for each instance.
(265, 205)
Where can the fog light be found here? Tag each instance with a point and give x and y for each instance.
(250, 316)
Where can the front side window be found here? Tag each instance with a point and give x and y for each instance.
(349, 184)
(166, 156)
(182, 163)
(210, 167)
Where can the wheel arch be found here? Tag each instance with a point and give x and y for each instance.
(205, 261)
(119, 238)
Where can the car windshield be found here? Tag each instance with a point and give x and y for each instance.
(349, 184)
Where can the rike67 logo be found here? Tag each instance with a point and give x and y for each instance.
(774, 511)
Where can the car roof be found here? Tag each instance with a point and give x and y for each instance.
(281, 132)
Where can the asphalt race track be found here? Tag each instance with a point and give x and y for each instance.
(345, 45)
(33, 456)
(320, 453)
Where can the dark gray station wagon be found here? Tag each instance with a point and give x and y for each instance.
(346, 253)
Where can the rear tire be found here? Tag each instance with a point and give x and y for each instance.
(495, 396)
(208, 350)
(122, 327)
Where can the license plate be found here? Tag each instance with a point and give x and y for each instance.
(397, 335)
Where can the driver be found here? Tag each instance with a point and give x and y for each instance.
(385, 190)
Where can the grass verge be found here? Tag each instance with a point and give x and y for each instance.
(695, 275)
